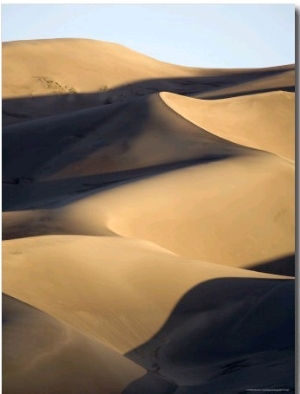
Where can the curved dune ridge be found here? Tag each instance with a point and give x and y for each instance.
(140, 133)
(262, 121)
(47, 77)
(148, 236)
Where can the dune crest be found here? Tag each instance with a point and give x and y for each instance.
(263, 121)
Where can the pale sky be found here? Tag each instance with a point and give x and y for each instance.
(197, 35)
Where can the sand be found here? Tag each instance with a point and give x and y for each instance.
(148, 224)
(45, 355)
(41, 77)
(265, 121)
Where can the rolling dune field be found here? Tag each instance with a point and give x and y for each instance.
(148, 223)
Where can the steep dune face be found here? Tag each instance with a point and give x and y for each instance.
(140, 133)
(132, 226)
(263, 121)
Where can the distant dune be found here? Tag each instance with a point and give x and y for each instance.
(47, 77)
(148, 224)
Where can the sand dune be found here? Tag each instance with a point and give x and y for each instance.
(83, 57)
(100, 142)
(65, 59)
(282, 80)
(140, 201)
(42, 354)
(262, 121)
(252, 198)
(40, 77)
(119, 295)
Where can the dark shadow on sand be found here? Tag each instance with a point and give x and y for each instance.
(224, 336)
(281, 266)
(28, 108)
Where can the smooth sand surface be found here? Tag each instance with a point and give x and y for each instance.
(44, 355)
(139, 197)
(139, 133)
(263, 121)
(121, 288)
(275, 81)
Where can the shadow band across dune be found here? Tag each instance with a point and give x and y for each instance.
(225, 335)
(23, 109)
(81, 187)
(281, 266)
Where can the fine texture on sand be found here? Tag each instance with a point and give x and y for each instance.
(148, 225)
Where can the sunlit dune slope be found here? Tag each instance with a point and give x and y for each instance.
(136, 297)
(44, 355)
(100, 65)
(118, 290)
(221, 212)
(236, 211)
(264, 121)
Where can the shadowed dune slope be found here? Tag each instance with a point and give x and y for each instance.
(139, 133)
(190, 349)
(283, 80)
